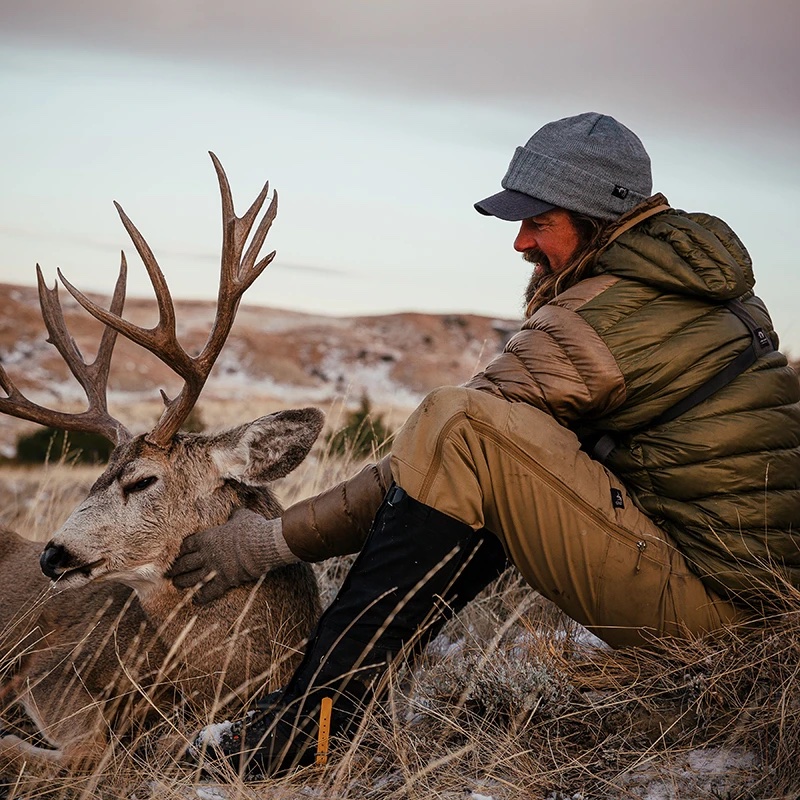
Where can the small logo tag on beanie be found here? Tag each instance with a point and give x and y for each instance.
(620, 191)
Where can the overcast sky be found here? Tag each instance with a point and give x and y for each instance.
(380, 124)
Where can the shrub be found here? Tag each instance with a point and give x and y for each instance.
(54, 444)
(194, 423)
(364, 434)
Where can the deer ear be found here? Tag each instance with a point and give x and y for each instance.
(267, 448)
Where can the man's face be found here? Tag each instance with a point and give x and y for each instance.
(549, 241)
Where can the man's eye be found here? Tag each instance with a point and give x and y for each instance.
(140, 485)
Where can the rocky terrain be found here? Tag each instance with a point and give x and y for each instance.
(273, 359)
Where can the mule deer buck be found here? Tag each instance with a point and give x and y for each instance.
(75, 659)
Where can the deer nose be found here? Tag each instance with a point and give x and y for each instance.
(53, 557)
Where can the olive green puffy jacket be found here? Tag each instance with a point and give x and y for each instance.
(615, 351)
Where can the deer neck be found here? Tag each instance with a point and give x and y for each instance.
(145, 580)
(168, 608)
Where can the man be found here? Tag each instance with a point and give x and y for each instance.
(634, 451)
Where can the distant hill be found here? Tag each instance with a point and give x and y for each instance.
(273, 358)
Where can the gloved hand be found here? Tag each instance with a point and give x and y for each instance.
(239, 551)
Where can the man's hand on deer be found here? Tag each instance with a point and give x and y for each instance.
(239, 551)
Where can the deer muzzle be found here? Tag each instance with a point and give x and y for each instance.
(57, 563)
(53, 560)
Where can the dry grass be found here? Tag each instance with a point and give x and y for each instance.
(35, 501)
(512, 700)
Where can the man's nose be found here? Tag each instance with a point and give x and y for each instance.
(526, 240)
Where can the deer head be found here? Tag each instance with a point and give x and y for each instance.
(130, 527)
(161, 486)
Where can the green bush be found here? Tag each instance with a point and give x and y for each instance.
(54, 444)
(364, 434)
(194, 423)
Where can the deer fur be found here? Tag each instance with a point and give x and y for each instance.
(113, 629)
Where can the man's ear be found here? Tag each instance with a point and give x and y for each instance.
(267, 448)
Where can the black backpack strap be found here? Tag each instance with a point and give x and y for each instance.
(760, 345)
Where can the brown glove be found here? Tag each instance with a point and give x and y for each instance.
(239, 551)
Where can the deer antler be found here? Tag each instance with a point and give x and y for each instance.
(92, 377)
(237, 273)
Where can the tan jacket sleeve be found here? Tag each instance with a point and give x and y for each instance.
(336, 522)
(558, 362)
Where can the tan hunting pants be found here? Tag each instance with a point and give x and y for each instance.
(566, 522)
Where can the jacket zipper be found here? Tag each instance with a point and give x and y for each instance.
(641, 546)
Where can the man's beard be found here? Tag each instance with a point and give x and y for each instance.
(541, 271)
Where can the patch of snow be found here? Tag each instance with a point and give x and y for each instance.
(712, 770)
(212, 734)
(583, 637)
(443, 647)
(211, 793)
(123, 397)
(373, 378)
(716, 760)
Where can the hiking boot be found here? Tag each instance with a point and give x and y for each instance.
(261, 739)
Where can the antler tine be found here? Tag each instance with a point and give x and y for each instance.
(237, 273)
(109, 337)
(246, 269)
(162, 340)
(166, 310)
(7, 386)
(59, 336)
(93, 377)
(250, 269)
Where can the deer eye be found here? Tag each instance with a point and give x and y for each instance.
(139, 485)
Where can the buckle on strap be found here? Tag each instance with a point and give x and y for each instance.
(603, 448)
(395, 495)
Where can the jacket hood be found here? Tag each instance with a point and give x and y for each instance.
(677, 252)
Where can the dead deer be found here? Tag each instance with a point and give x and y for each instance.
(76, 654)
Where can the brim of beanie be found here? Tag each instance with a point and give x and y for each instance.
(512, 206)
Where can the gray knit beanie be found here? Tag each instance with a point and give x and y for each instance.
(591, 164)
